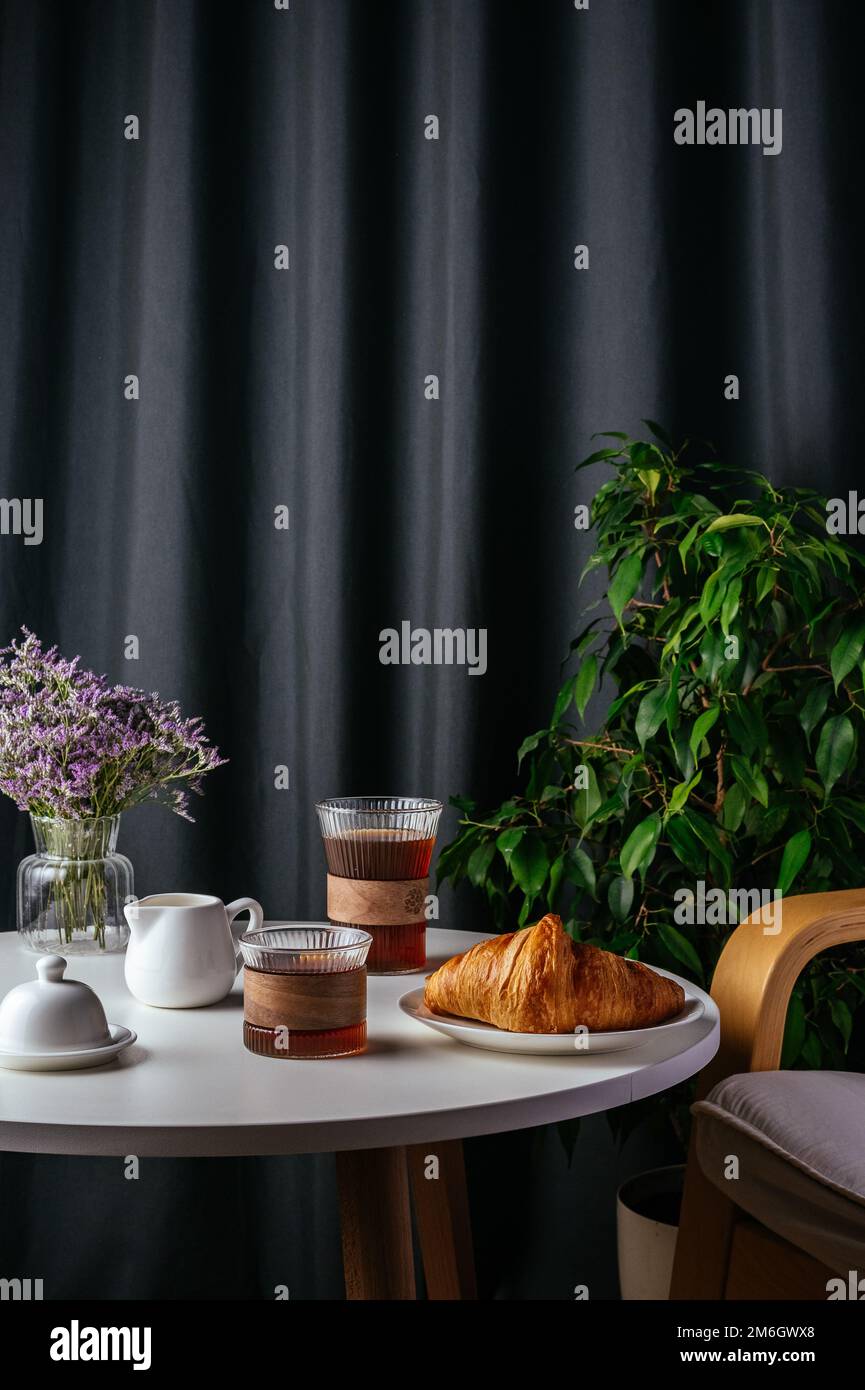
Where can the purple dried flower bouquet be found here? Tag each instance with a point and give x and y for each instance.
(75, 752)
(73, 746)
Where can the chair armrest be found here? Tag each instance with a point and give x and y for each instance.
(758, 968)
(752, 985)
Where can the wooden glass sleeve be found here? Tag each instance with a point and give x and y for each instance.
(369, 902)
(304, 1001)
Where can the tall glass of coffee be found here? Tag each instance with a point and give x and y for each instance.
(378, 851)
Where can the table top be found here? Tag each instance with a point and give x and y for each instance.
(189, 1087)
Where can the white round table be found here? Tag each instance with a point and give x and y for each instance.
(189, 1087)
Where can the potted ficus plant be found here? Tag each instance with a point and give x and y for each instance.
(731, 759)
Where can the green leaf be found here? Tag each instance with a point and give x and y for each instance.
(712, 595)
(452, 860)
(814, 707)
(842, 1018)
(526, 910)
(684, 757)
(551, 793)
(650, 715)
(680, 947)
(794, 1032)
(766, 825)
(581, 871)
(587, 799)
(795, 856)
(733, 809)
(725, 523)
(529, 864)
(543, 769)
(847, 651)
(680, 794)
(610, 520)
(622, 700)
(620, 897)
(639, 848)
(612, 808)
(751, 778)
(624, 584)
(659, 433)
(529, 744)
(766, 582)
(557, 873)
(702, 724)
(834, 750)
(687, 847)
(708, 832)
(836, 831)
(597, 457)
(479, 862)
(508, 841)
(585, 683)
(851, 810)
(683, 622)
(746, 727)
(688, 541)
(730, 605)
(585, 639)
(563, 700)
(644, 455)
(650, 478)
(671, 705)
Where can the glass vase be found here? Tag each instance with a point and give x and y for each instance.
(72, 891)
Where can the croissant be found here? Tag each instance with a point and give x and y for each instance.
(540, 980)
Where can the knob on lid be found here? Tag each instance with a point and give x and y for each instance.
(52, 1014)
(51, 968)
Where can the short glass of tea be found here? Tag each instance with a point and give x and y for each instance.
(378, 851)
(304, 990)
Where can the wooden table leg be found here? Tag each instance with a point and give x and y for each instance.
(376, 1224)
(441, 1210)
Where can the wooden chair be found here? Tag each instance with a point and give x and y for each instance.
(721, 1253)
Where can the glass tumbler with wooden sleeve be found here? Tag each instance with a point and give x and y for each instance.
(304, 990)
(378, 851)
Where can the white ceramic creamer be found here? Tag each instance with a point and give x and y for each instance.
(183, 951)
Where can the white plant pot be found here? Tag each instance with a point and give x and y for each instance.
(647, 1232)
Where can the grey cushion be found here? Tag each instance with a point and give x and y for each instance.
(799, 1137)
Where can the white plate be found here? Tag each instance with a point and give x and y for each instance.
(73, 1060)
(475, 1034)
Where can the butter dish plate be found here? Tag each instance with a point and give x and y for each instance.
(73, 1059)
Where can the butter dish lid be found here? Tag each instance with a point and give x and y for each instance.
(52, 1014)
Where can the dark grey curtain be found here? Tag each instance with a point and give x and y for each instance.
(306, 388)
